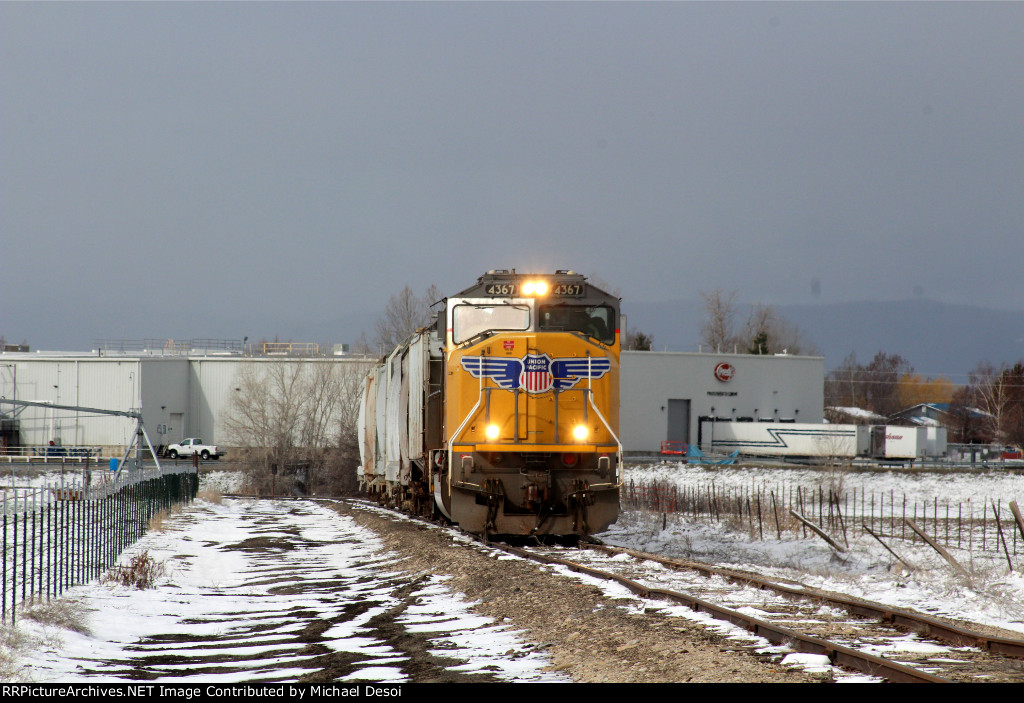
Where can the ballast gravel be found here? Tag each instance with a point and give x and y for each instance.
(589, 636)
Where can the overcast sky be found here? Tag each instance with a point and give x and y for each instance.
(197, 169)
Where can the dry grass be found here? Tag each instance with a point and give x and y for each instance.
(210, 495)
(141, 572)
(16, 645)
(65, 613)
(157, 522)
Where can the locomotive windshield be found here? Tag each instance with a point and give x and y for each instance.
(597, 321)
(470, 320)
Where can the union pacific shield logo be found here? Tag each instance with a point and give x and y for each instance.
(536, 373)
(536, 376)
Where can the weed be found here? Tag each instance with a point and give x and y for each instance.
(157, 522)
(65, 613)
(13, 643)
(16, 646)
(141, 572)
(210, 495)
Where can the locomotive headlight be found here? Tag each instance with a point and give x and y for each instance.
(529, 287)
(580, 432)
(491, 432)
(540, 287)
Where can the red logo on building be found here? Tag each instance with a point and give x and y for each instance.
(725, 371)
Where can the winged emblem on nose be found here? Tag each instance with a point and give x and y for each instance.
(536, 373)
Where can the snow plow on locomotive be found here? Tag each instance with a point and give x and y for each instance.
(503, 415)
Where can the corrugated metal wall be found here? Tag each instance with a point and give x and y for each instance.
(196, 389)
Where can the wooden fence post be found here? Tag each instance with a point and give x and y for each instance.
(934, 545)
(888, 549)
(817, 530)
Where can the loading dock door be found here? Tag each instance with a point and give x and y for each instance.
(678, 420)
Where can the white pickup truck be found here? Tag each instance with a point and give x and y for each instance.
(193, 445)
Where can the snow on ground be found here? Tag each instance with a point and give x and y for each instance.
(975, 485)
(246, 581)
(209, 579)
(224, 482)
(992, 595)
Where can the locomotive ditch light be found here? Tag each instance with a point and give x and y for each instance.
(580, 432)
(491, 432)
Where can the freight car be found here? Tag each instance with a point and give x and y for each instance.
(503, 415)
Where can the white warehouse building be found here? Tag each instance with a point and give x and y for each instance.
(179, 395)
(663, 395)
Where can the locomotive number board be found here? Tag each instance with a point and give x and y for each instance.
(559, 290)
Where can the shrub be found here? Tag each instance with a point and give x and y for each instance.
(141, 572)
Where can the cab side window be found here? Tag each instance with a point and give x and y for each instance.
(596, 321)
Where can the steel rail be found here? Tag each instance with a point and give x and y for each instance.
(837, 654)
(899, 617)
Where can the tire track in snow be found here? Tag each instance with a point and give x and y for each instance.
(278, 590)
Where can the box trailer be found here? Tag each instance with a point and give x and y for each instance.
(789, 439)
(899, 442)
(785, 439)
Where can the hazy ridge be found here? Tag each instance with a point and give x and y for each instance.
(936, 338)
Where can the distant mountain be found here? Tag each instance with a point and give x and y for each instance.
(936, 338)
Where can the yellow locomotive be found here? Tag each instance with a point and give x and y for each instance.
(504, 414)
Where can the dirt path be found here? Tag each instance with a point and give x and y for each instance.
(282, 591)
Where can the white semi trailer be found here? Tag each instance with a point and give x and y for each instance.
(790, 439)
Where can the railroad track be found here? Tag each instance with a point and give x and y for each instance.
(894, 644)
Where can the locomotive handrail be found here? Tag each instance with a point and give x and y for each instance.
(618, 453)
(458, 432)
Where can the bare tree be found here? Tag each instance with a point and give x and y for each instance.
(638, 341)
(765, 331)
(720, 316)
(968, 423)
(1012, 422)
(292, 421)
(874, 387)
(768, 332)
(999, 393)
(843, 384)
(362, 346)
(404, 314)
